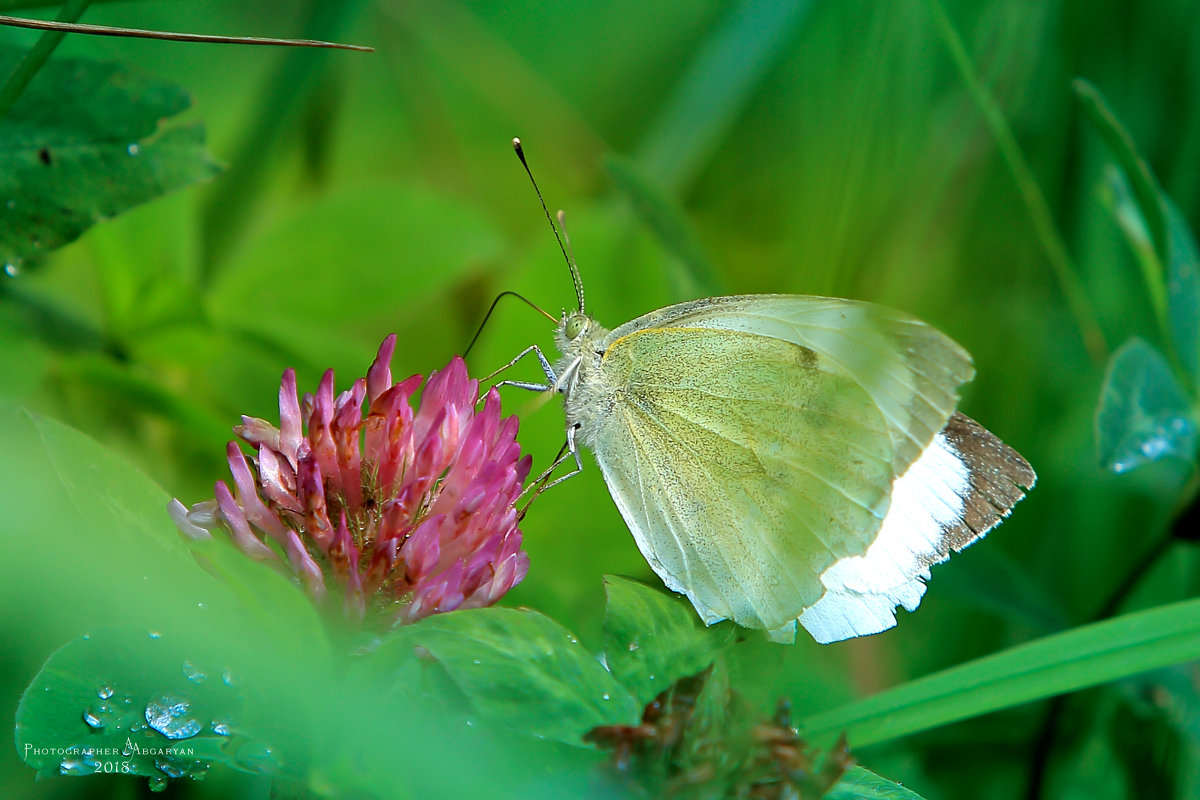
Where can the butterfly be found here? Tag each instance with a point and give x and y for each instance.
(784, 458)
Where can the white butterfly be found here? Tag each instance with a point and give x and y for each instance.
(783, 457)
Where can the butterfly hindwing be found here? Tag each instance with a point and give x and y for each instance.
(744, 465)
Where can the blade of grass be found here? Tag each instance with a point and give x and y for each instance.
(170, 36)
(715, 88)
(1035, 202)
(71, 11)
(13, 5)
(1066, 662)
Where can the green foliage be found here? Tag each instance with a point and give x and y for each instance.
(929, 156)
(861, 784)
(85, 142)
(519, 668)
(1084, 657)
(129, 702)
(652, 639)
(1144, 413)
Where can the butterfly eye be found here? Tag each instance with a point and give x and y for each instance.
(576, 324)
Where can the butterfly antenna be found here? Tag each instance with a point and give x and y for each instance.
(564, 248)
(495, 302)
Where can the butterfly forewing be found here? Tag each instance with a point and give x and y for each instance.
(910, 370)
(745, 465)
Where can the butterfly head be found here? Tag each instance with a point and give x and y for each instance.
(573, 330)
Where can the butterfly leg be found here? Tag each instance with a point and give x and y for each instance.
(539, 485)
(551, 378)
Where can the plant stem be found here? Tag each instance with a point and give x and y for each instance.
(71, 11)
(1035, 202)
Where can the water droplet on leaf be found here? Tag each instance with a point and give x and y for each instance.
(105, 692)
(169, 716)
(193, 673)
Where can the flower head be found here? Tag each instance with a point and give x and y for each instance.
(406, 513)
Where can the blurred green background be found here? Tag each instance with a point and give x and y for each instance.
(817, 148)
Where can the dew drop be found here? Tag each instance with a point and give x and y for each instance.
(105, 692)
(227, 678)
(476, 661)
(169, 716)
(12, 271)
(93, 719)
(133, 149)
(606, 696)
(221, 728)
(193, 673)
(155, 635)
(158, 783)
(169, 769)
(633, 646)
(73, 766)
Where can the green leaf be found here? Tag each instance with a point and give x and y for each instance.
(1171, 265)
(717, 85)
(315, 278)
(1183, 292)
(112, 494)
(1118, 196)
(1144, 414)
(128, 523)
(133, 702)
(695, 276)
(1137, 171)
(862, 784)
(85, 142)
(1067, 662)
(652, 639)
(520, 668)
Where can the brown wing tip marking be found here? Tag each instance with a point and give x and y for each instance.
(999, 476)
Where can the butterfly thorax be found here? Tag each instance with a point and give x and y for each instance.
(586, 395)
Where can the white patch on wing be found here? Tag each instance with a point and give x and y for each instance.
(862, 592)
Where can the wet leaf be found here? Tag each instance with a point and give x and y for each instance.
(134, 702)
(1144, 414)
(519, 668)
(862, 784)
(652, 639)
(86, 141)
